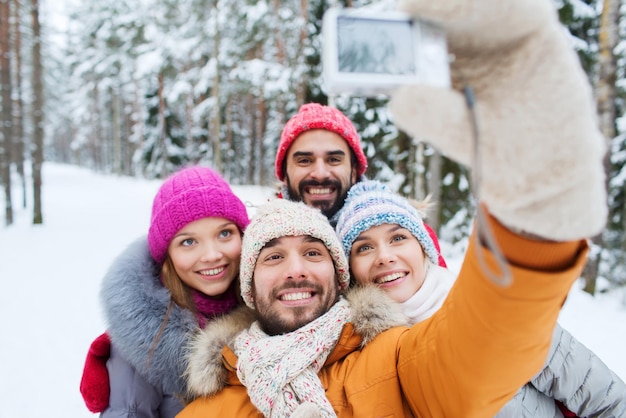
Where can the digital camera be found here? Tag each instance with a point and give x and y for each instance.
(368, 52)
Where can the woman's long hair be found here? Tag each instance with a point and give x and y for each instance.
(180, 294)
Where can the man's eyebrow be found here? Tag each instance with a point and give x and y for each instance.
(309, 238)
(310, 153)
(336, 152)
(274, 242)
(271, 243)
(302, 154)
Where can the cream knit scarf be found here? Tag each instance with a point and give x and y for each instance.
(280, 372)
(429, 298)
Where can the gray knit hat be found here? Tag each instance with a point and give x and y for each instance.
(284, 218)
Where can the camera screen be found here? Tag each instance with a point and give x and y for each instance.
(375, 46)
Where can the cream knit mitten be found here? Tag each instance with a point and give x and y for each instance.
(539, 145)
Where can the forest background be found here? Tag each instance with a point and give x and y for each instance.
(140, 88)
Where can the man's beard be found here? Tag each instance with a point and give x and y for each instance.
(329, 209)
(271, 322)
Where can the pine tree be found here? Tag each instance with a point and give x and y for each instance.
(163, 151)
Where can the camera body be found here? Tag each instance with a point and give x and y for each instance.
(370, 52)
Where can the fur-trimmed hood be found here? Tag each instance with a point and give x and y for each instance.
(372, 313)
(135, 303)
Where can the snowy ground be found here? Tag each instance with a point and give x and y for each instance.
(49, 307)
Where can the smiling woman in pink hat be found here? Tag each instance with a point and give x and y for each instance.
(162, 288)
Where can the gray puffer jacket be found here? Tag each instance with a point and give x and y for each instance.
(145, 380)
(575, 376)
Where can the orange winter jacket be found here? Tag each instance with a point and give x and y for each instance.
(467, 360)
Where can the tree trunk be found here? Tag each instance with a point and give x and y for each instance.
(6, 115)
(249, 108)
(280, 42)
(37, 82)
(116, 126)
(232, 167)
(95, 142)
(161, 145)
(302, 84)
(18, 104)
(434, 189)
(216, 118)
(405, 166)
(606, 94)
(279, 105)
(137, 128)
(261, 117)
(419, 170)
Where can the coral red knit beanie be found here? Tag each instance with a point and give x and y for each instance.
(186, 196)
(316, 116)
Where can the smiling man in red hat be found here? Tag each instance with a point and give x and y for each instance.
(319, 158)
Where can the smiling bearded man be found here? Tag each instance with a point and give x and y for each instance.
(319, 158)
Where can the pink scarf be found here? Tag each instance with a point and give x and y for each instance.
(211, 306)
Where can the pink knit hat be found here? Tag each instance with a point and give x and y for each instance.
(186, 196)
(315, 116)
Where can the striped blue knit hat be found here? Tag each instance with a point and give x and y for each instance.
(370, 203)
